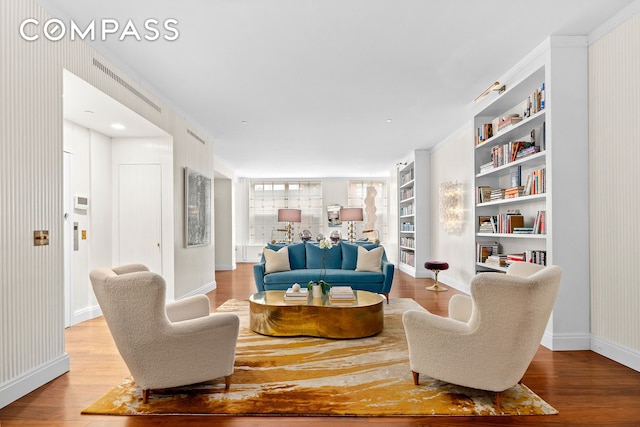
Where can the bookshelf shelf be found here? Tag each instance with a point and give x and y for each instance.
(512, 235)
(515, 200)
(534, 158)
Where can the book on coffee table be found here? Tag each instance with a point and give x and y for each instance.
(301, 294)
(341, 293)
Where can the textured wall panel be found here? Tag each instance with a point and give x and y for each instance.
(31, 293)
(614, 135)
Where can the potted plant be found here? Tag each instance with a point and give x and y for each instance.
(320, 287)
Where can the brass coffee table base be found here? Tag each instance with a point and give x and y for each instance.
(271, 315)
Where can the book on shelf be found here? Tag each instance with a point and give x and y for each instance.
(539, 223)
(536, 182)
(536, 257)
(510, 193)
(507, 121)
(523, 230)
(485, 249)
(483, 194)
(499, 260)
(507, 222)
(511, 258)
(483, 133)
(487, 224)
(515, 173)
(496, 194)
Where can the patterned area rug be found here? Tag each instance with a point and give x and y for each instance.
(315, 376)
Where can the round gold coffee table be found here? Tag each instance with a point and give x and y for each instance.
(317, 317)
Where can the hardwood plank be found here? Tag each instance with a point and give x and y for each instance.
(587, 389)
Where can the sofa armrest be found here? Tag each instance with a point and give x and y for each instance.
(258, 275)
(388, 270)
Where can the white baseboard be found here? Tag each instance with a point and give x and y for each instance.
(566, 342)
(457, 285)
(225, 267)
(616, 352)
(86, 313)
(201, 290)
(26, 383)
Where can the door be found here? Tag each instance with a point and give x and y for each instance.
(140, 215)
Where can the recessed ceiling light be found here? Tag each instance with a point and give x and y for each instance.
(244, 122)
(118, 126)
(389, 120)
(88, 111)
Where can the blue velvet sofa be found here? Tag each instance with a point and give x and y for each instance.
(305, 262)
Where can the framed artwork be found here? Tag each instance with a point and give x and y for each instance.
(197, 195)
(333, 215)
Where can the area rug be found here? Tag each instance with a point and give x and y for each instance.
(321, 377)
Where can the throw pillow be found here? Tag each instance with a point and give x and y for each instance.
(350, 253)
(332, 257)
(276, 261)
(370, 260)
(297, 257)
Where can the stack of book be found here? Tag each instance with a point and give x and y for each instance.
(511, 258)
(514, 192)
(507, 121)
(296, 295)
(497, 194)
(341, 294)
(497, 259)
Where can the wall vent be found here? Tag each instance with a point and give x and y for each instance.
(126, 85)
(190, 132)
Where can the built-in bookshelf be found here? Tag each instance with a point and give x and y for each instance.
(413, 215)
(554, 211)
(510, 176)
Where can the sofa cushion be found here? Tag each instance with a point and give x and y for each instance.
(332, 257)
(350, 253)
(276, 260)
(297, 258)
(332, 276)
(369, 260)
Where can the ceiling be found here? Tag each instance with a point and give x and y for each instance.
(328, 88)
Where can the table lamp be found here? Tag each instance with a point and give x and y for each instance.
(351, 215)
(289, 216)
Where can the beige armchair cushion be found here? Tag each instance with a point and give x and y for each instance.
(490, 337)
(164, 345)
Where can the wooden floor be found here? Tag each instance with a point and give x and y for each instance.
(587, 389)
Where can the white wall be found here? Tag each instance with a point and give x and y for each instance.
(452, 160)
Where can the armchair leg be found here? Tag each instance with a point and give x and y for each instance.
(227, 382)
(416, 377)
(145, 395)
(387, 296)
(498, 400)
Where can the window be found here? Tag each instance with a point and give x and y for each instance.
(265, 198)
(375, 206)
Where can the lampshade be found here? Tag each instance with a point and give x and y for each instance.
(351, 214)
(289, 215)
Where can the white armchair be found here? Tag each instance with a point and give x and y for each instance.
(164, 345)
(490, 337)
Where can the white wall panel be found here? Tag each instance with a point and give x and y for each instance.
(614, 150)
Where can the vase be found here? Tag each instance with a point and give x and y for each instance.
(316, 291)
